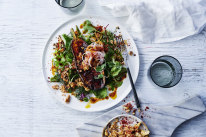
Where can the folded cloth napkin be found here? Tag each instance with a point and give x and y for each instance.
(158, 21)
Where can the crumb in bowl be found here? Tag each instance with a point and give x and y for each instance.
(125, 126)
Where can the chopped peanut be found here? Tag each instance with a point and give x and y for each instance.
(56, 87)
(62, 88)
(67, 100)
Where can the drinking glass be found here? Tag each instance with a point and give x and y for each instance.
(166, 71)
(69, 3)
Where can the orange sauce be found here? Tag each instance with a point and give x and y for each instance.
(88, 105)
(94, 100)
(124, 77)
(81, 26)
(53, 69)
(113, 95)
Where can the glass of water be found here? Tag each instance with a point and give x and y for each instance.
(166, 71)
(69, 3)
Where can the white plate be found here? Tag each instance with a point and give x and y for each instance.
(122, 91)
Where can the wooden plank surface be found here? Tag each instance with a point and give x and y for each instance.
(27, 109)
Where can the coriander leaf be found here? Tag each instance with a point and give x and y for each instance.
(68, 41)
(55, 78)
(101, 93)
(73, 74)
(85, 99)
(110, 64)
(118, 84)
(121, 74)
(116, 70)
(68, 59)
(115, 84)
(88, 27)
(68, 52)
(78, 31)
(109, 55)
(62, 60)
(100, 68)
(99, 76)
(56, 63)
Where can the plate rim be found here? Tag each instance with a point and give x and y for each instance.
(47, 45)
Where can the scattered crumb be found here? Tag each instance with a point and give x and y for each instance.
(67, 100)
(62, 88)
(146, 108)
(128, 107)
(134, 54)
(130, 53)
(134, 111)
(56, 87)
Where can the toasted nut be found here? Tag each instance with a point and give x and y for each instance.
(111, 41)
(56, 87)
(62, 88)
(67, 100)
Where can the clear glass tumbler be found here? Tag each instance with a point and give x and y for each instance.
(166, 71)
(69, 3)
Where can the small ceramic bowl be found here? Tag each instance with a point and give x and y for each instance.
(129, 117)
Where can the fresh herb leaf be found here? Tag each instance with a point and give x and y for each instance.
(121, 74)
(109, 55)
(85, 99)
(115, 70)
(88, 27)
(62, 60)
(73, 74)
(99, 76)
(100, 68)
(115, 67)
(79, 91)
(101, 93)
(68, 52)
(55, 78)
(78, 31)
(68, 41)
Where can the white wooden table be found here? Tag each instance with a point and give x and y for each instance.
(26, 107)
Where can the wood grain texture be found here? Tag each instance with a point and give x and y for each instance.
(27, 109)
